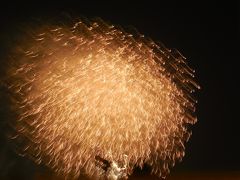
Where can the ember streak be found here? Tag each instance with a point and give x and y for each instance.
(89, 91)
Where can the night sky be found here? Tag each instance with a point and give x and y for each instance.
(206, 33)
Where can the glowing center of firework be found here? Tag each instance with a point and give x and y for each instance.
(95, 100)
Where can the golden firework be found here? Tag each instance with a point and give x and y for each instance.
(93, 99)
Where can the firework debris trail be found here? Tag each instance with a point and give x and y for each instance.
(93, 99)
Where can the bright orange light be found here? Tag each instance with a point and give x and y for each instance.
(93, 91)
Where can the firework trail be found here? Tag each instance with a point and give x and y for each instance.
(93, 99)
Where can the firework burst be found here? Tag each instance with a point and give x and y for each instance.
(93, 99)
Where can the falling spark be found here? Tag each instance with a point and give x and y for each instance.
(93, 99)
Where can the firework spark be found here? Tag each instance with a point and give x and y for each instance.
(93, 99)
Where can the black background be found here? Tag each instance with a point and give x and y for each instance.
(207, 33)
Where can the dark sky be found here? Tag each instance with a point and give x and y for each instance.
(206, 33)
